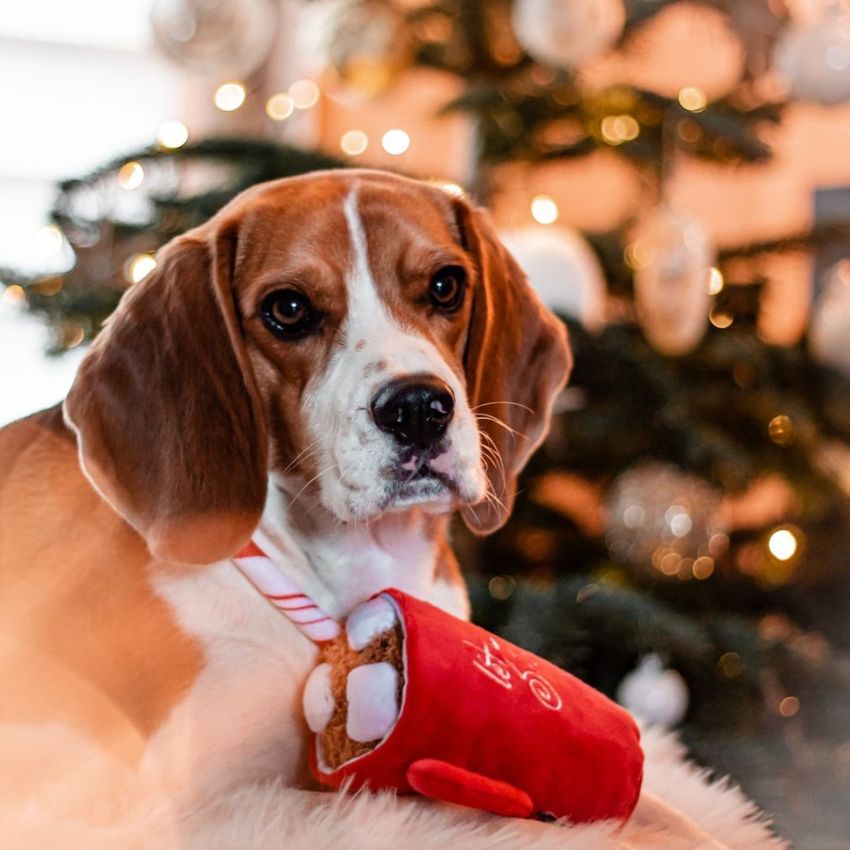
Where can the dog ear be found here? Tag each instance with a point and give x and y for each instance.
(516, 361)
(165, 407)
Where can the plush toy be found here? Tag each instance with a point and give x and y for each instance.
(411, 698)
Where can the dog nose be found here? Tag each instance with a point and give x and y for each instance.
(416, 411)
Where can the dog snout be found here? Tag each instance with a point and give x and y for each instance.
(416, 410)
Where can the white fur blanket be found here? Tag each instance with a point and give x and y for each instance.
(270, 817)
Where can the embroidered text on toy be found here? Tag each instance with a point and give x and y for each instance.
(491, 662)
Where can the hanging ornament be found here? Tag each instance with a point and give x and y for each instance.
(672, 258)
(368, 44)
(664, 520)
(815, 59)
(567, 33)
(229, 38)
(563, 269)
(830, 325)
(654, 693)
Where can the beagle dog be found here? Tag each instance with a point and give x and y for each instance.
(331, 366)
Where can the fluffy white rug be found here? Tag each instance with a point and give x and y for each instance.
(270, 817)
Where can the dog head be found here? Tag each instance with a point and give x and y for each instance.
(354, 336)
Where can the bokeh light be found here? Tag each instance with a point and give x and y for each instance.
(395, 142)
(230, 96)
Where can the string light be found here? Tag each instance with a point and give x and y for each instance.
(692, 98)
(715, 281)
(131, 175)
(617, 129)
(354, 142)
(14, 294)
(544, 209)
(140, 267)
(730, 665)
(720, 318)
(280, 106)
(395, 142)
(780, 429)
(49, 286)
(637, 254)
(689, 130)
(782, 544)
(304, 94)
(501, 587)
(679, 520)
(789, 706)
(172, 135)
(703, 567)
(230, 96)
(74, 334)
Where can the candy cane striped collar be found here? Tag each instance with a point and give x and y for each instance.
(284, 594)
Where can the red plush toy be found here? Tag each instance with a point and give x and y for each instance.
(414, 699)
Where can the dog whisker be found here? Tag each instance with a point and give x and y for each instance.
(302, 455)
(490, 450)
(319, 474)
(495, 419)
(510, 403)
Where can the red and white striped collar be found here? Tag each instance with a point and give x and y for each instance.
(284, 594)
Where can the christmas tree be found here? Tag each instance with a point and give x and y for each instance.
(679, 539)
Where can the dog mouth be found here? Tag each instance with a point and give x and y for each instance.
(421, 478)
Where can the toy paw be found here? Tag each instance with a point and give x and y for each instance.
(352, 699)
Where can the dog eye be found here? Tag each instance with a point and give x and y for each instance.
(288, 314)
(447, 287)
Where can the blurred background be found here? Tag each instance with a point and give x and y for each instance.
(673, 175)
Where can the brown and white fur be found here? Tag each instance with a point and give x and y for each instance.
(191, 428)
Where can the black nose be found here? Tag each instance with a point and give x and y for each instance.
(416, 411)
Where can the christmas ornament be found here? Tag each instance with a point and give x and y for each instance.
(662, 518)
(563, 269)
(713, 61)
(230, 38)
(815, 59)
(653, 693)
(830, 324)
(566, 33)
(368, 45)
(411, 698)
(672, 259)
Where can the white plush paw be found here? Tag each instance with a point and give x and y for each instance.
(369, 619)
(318, 699)
(371, 691)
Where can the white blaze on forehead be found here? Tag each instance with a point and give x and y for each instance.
(368, 318)
(366, 310)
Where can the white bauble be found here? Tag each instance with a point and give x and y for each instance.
(367, 43)
(653, 693)
(563, 270)
(673, 258)
(566, 33)
(815, 59)
(225, 37)
(829, 332)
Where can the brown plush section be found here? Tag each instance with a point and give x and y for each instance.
(337, 747)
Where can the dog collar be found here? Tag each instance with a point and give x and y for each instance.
(284, 594)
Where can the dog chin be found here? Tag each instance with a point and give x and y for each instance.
(432, 495)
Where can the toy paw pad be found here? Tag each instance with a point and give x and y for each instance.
(318, 700)
(371, 691)
(369, 620)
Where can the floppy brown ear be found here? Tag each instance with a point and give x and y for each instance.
(516, 361)
(168, 420)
